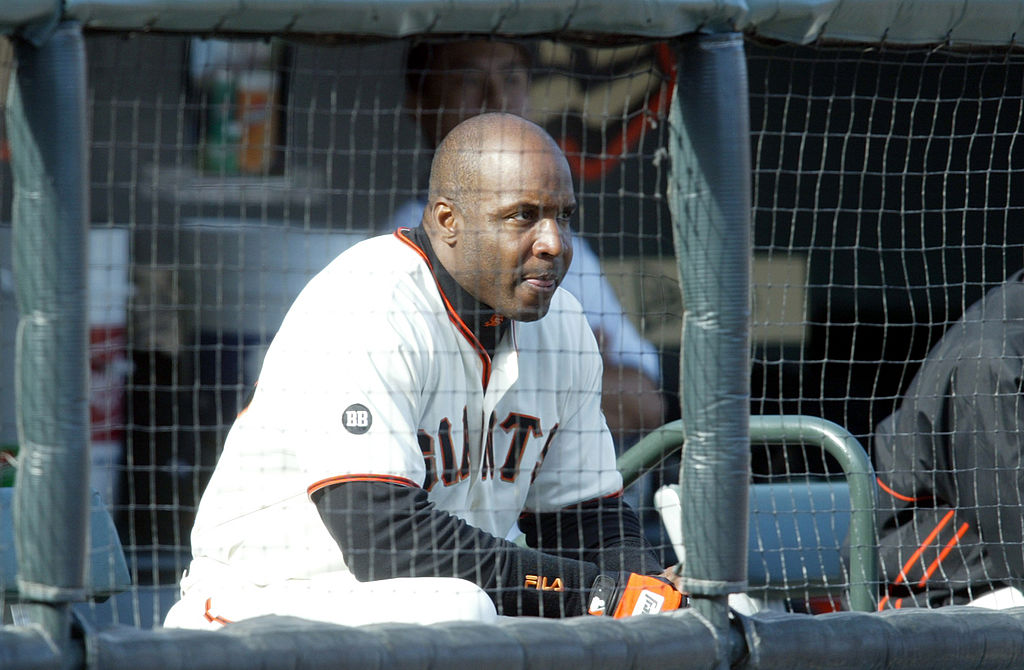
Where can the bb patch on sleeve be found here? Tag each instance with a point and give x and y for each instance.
(356, 419)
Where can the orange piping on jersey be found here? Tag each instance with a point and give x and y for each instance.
(899, 496)
(213, 618)
(244, 410)
(945, 552)
(594, 501)
(917, 554)
(342, 479)
(248, 404)
(453, 316)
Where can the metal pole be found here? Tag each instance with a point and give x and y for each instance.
(49, 137)
(709, 198)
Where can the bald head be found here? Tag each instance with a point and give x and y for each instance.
(483, 147)
(498, 214)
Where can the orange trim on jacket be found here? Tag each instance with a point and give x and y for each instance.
(899, 496)
(920, 550)
(945, 552)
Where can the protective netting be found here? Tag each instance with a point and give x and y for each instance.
(891, 175)
(226, 173)
(888, 179)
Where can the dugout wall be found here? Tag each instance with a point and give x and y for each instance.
(810, 214)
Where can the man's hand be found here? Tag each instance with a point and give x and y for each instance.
(631, 595)
(674, 576)
(632, 402)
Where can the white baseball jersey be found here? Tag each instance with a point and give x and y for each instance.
(374, 377)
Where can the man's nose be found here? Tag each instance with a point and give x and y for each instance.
(494, 95)
(551, 240)
(500, 97)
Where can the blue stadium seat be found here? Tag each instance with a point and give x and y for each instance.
(107, 572)
(796, 536)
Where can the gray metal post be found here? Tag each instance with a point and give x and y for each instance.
(48, 136)
(709, 198)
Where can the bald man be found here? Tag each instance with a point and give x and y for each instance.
(425, 392)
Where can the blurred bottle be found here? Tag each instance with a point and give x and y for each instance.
(223, 132)
(257, 119)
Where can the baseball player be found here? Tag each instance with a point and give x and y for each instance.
(426, 391)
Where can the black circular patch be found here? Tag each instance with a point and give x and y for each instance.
(356, 419)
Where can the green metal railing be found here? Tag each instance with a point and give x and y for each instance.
(835, 440)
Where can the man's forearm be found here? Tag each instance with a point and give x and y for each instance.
(387, 531)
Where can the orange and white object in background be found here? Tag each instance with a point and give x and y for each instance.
(257, 117)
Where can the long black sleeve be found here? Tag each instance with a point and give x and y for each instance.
(387, 531)
(606, 532)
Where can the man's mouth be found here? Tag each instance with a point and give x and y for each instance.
(545, 282)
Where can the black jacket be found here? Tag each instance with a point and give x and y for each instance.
(951, 518)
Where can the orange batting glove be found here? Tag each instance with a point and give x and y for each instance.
(633, 594)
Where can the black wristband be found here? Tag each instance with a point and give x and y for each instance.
(604, 595)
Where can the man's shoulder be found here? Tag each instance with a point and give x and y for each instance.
(566, 303)
(377, 256)
(371, 271)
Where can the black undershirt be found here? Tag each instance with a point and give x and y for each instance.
(387, 530)
(475, 314)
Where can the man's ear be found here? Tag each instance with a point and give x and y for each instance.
(446, 220)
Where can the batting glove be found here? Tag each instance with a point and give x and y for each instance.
(632, 594)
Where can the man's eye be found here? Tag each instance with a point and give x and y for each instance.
(515, 78)
(471, 80)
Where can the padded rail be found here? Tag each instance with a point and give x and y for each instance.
(799, 429)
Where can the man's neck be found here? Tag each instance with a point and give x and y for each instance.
(486, 324)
